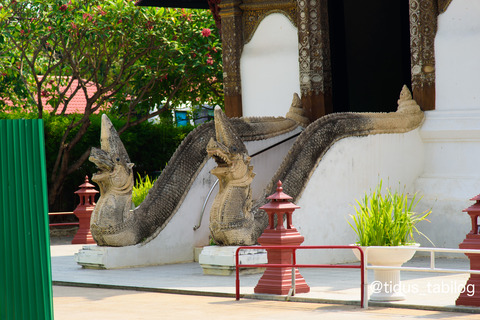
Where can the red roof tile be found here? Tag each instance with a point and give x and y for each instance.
(76, 105)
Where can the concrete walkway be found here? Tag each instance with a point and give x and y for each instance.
(73, 303)
(173, 291)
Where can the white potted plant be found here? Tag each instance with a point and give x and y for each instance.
(387, 220)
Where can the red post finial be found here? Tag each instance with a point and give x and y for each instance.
(84, 211)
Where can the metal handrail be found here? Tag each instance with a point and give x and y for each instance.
(61, 224)
(363, 284)
(60, 213)
(204, 206)
(197, 226)
(275, 144)
(363, 264)
(432, 268)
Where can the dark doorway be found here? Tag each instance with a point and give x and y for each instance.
(370, 53)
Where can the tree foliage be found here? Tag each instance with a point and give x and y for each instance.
(150, 146)
(139, 62)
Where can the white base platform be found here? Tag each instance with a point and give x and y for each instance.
(91, 257)
(97, 257)
(220, 260)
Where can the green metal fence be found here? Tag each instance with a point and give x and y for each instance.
(25, 269)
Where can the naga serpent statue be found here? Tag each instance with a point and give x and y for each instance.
(234, 219)
(232, 223)
(113, 223)
(231, 220)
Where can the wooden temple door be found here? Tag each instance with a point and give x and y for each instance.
(356, 55)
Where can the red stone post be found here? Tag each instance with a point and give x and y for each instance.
(84, 211)
(279, 280)
(472, 241)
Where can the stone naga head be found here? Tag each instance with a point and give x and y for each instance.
(228, 151)
(114, 167)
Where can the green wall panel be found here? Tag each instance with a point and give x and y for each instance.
(25, 269)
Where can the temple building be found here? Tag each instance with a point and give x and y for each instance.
(354, 56)
(340, 55)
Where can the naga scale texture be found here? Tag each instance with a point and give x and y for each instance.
(113, 224)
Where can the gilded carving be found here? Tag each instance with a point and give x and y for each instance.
(254, 12)
(213, 5)
(443, 5)
(423, 28)
(232, 43)
(314, 46)
(241, 19)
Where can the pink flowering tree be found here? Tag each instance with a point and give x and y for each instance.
(139, 61)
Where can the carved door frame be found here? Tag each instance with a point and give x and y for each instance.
(240, 19)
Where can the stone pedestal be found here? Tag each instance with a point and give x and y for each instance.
(279, 280)
(150, 254)
(394, 256)
(92, 257)
(220, 260)
(391, 287)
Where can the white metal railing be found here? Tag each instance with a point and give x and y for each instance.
(204, 206)
(417, 269)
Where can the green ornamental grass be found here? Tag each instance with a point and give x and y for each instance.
(141, 188)
(387, 220)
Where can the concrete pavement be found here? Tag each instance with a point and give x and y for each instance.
(75, 303)
(183, 291)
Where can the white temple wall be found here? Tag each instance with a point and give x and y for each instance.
(266, 164)
(451, 133)
(269, 68)
(350, 168)
(457, 48)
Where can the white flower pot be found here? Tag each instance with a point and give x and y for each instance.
(387, 285)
